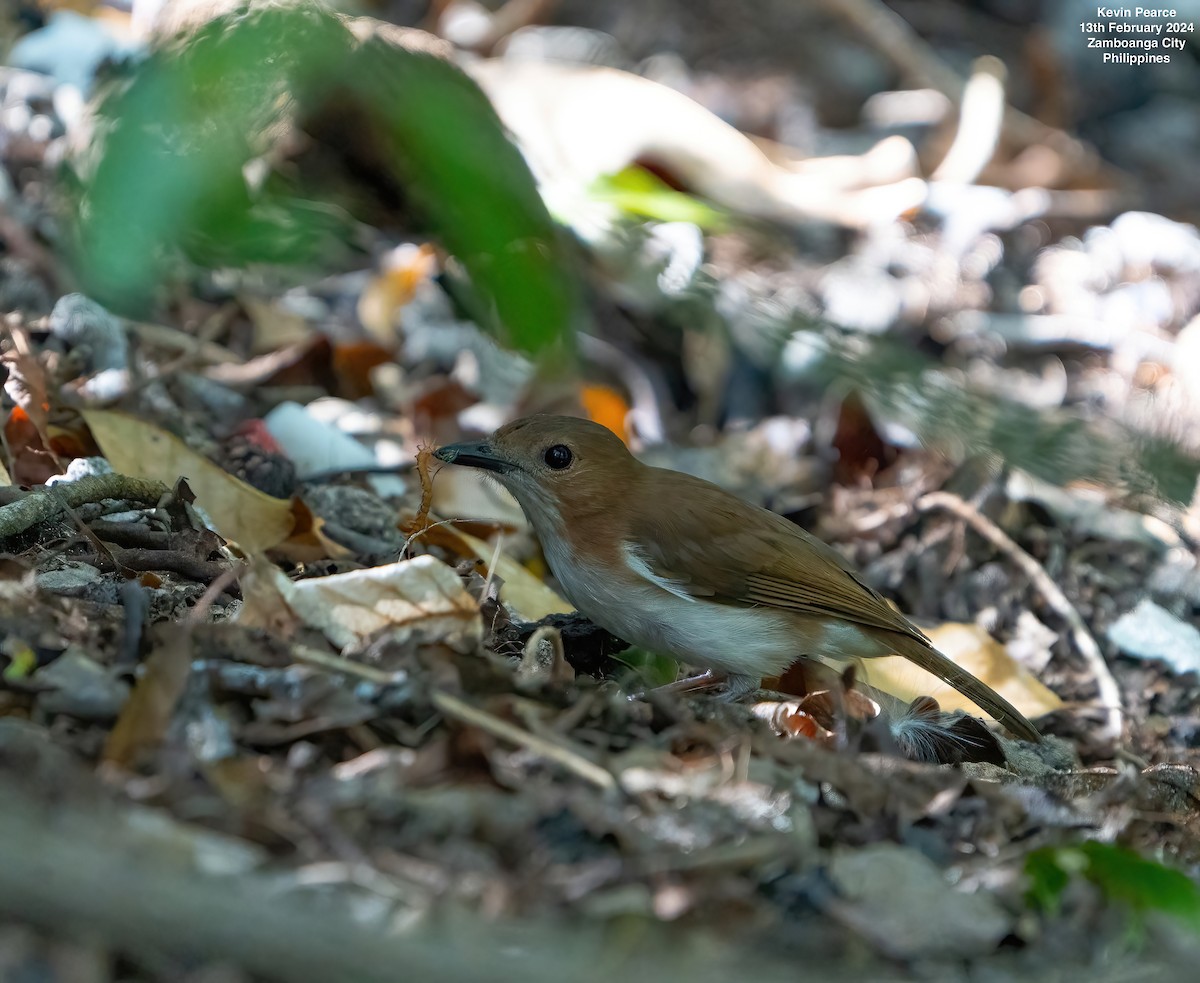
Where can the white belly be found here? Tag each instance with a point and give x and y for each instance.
(730, 639)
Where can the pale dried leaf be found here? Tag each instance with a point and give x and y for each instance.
(631, 118)
(977, 652)
(240, 512)
(420, 600)
(520, 590)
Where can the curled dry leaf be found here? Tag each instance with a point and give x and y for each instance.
(816, 715)
(309, 541)
(147, 713)
(241, 513)
(386, 293)
(789, 719)
(543, 662)
(420, 600)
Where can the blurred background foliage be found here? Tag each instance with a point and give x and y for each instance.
(193, 162)
(190, 161)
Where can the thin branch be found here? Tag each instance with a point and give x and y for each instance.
(47, 503)
(1110, 693)
(573, 761)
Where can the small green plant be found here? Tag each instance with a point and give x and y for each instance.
(1121, 875)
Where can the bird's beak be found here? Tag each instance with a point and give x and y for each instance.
(474, 455)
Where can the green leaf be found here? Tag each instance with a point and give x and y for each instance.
(448, 146)
(652, 669)
(639, 192)
(169, 178)
(172, 145)
(1122, 875)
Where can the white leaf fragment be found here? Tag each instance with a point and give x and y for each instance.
(421, 600)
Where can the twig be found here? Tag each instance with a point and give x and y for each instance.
(214, 590)
(573, 761)
(491, 570)
(41, 505)
(100, 873)
(205, 350)
(339, 663)
(171, 561)
(434, 525)
(1110, 693)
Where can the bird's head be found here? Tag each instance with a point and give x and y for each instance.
(557, 467)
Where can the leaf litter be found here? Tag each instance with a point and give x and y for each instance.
(255, 691)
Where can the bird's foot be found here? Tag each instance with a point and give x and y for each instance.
(737, 686)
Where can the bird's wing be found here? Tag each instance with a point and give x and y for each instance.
(710, 544)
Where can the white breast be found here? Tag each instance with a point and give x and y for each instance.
(660, 616)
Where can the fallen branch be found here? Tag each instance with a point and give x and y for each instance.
(39, 506)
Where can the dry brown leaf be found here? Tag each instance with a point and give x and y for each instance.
(265, 590)
(147, 712)
(381, 301)
(241, 513)
(789, 719)
(420, 600)
(308, 541)
(976, 651)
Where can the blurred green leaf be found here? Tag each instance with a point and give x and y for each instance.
(173, 143)
(652, 669)
(1122, 875)
(471, 180)
(177, 141)
(639, 192)
(1048, 876)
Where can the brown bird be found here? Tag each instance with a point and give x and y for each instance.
(676, 565)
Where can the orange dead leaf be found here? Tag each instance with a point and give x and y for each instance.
(606, 407)
(32, 461)
(352, 364)
(789, 719)
(379, 305)
(308, 542)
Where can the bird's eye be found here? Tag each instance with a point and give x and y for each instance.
(558, 457)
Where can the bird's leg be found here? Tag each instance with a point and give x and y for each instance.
(688, 684)
(735, 685)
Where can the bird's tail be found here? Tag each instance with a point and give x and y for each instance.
(931, 660)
